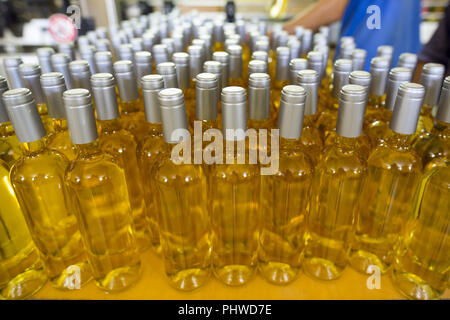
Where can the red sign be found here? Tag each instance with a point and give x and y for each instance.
(62, 28)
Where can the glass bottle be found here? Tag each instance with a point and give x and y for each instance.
(58, 138)
(310, 138)
(407, 60)
(285, 195)
(435, 147)
(60, 63)
(169, 74)
(143, 64)
(80, 74)
(378, 130)
(296, 65)
(44, 56)
(386, 52)
(182, 194)
(10, 149)
(69, 49)
(195, 67)
(87, 53)
(234, 198)
(30, 74)
(100, 190)
(315, 61)
(181, 60)
(393, 170)
(379, 70)
(46, 202)
(22, 272)
(131, 105)
(431, 79)
(281, 74)
(358, 59)
(236, 74)
(336, 189)
(206, 103)
(261, 112)
(421, 265)
(121, 145)
(224, 58)
(104, 62)
(11, 66)
(149, 149)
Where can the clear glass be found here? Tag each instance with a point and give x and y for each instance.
(311, 138)
(334, 205)
(58, 139)
(132, 117)
(50, 211)
(121, 145)
(435, 146)
(234, 191)
(183, 221)
(22, 272)
(10, 149)
(422, 264)
(426, 121)
(393, 171)
(148, 151)
(284, 206)
(105, 217)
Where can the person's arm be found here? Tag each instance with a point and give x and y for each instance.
(318, 14)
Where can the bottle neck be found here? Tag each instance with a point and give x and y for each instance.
(345, 144)
(399, 142)
(6, 130)
(109, 126)
(33, 147)
(89, 150)
(59, 124)
(441, 129)
(127, 107)
(289, 144)
(309, 120)
(374, 102)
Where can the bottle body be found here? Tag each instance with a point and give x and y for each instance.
(22, 272)
(435, 147)
(49, 209)
(133, 118)
(385, 203)
(235, 219)
(10, 149)
(121, 145)
(183, 222)
(58, 139)
(336, 187)
(284, 207)
(105, 217)
(421, 267)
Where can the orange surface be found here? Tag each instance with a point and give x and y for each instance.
(153, 285)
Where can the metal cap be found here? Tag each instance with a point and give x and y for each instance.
(125, 78)
(315, 61)
(24, 115)
(347, 50)
(282, 64)
(181, 60)
(80, 73)
(104, 94)
(234, 112)
(160, 53)
(218, 31)
(3, 87)
(80, 116)
(88, 53)
(359, 59)
(407, 60)
(379, 69)
(431, 79)
(44, 55)
(151, 85)
(341, 74)
(102, 45)
(11, 65)
(148, 40)
(257, 66)
(309, 80)
(126, 52)
(206, 96)
(261, 45)
(235, 52)
(30, 74)
(143, 62)
(173, 114)
(361, 78)
(224, 58)
(295, 47)
(295, 66)
(137, 44)
(169, 43)
(260, 55)
(292, 109)
(214, 67)
(443, 113)
(69, 49)
(306, 41)
(352, 104)
(407, 108)
(60, 63)
(396, 77)
(169, 74)
(104, 62)
(385, 52)
(196, 57)
(53, 86)
(259, 96)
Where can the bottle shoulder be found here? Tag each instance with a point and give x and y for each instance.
(336, 159)
(167, 173)
(117, 141)
(391, 158)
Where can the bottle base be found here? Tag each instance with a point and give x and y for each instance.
(24, 285)
(365, 262)
(277, 272)
(414, 287)
(120, 278)
(73, 277)
(322, 269)
(189, 279)
(234, 275)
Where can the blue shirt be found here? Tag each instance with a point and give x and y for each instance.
(399, 26)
